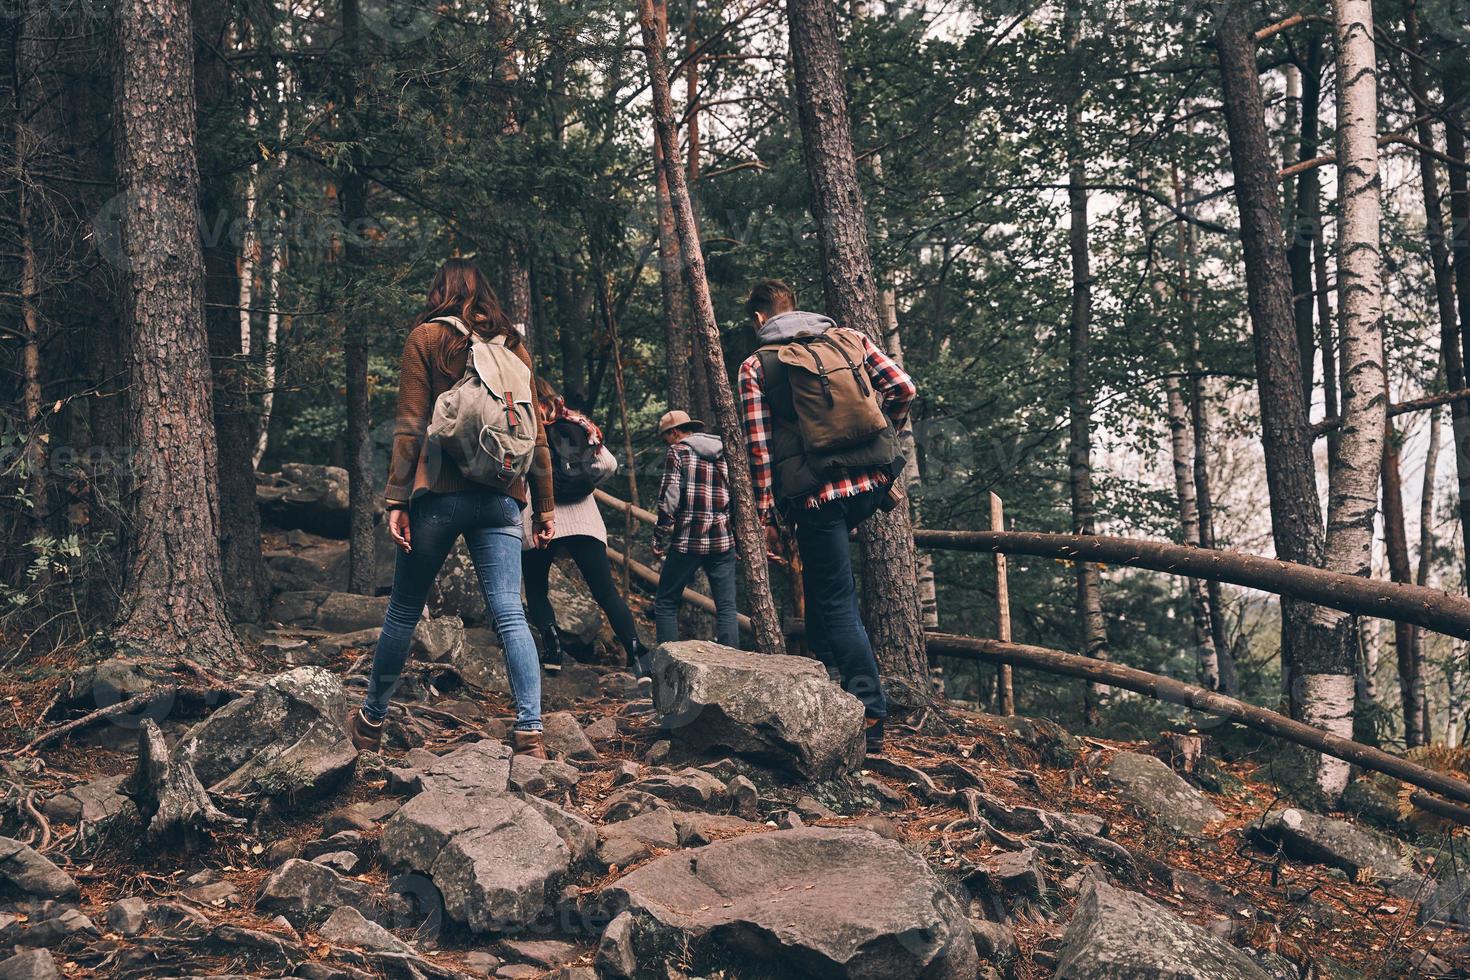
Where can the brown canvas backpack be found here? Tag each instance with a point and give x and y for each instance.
(835, 403)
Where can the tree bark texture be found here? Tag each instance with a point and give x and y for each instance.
(1296, 522)
(677, 351)
(173, 596)
(1353, 472)
(748, 531)
(1304, 209)
(890, 595)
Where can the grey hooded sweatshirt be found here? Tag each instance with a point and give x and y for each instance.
(784, 327)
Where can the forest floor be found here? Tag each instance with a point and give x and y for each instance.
(1224, 881)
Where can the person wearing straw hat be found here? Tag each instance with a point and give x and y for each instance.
(693, 529)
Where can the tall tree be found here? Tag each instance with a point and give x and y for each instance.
(1327, 689)
(173, 597)
(1296, 523)
(1396, 547)
(748, 534)
(1443, 274)
(517, 260)
(1304, 205)
(677, 352)
(1079, 362)
(361, 496)
(890, 592)
(234, 420)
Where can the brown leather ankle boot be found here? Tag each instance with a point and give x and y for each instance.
(366, 736)
(528, 743)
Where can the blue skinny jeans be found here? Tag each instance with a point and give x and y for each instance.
(490, 523)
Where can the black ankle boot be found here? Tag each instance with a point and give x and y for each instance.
(638, 659)
(551, 652)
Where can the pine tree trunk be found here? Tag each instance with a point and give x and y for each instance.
(361, 497)
(890, 592)
(517, 261)
(748, 533)
(677, 351)
(1396, 545)
(173, 595)
(1420, 696)
(1353, 473)
(234, 419)
(1079, 397)
(31, 128)
(1296, 522)
(1304, 217)
(1444, 281)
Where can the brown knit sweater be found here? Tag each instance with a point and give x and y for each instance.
(434, 358)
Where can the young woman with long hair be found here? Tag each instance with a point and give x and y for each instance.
(578, 450)
(431, 505)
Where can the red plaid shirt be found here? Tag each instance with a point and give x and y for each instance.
(892, 383)
(694, 504)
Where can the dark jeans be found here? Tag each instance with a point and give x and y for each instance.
(491, 525)
(678, 571)
(590, 556)
(834, 627)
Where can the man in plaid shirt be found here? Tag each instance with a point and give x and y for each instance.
(823, 513)
(694, 527)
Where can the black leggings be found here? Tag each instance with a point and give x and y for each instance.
(590, 555)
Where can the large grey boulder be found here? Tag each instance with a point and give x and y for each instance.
(31, 964)
(779, 710)
(27, 871)
(284, 740)
(1158, 791)
(348, 926)
(812, 902)
(1311, 837)
(1121, 935)
(495, 859)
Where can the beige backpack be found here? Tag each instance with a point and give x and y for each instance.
(487, 423)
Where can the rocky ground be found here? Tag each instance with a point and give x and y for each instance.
(719, 820)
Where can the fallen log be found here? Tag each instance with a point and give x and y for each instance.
(1199, 699)
(1431, 608)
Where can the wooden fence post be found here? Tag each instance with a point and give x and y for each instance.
(1004, 687)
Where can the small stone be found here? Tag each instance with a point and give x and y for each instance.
(216, 893)
(744, 797)
(342, 861)
(29, 871)
(347, 925)
(564, 737)
(603, 729)
(481, 963)
(626, 772)
(615, 955)
(545, 953)
(128, 916)
(658, 752)
(279, 852)
(994, 941)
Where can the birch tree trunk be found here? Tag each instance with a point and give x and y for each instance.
(1420, 696)
(1353, 473)
(1182, 452)
(766, 622)
(1079, 400)
(1296, 522)
(173, 595)
(890, 594)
